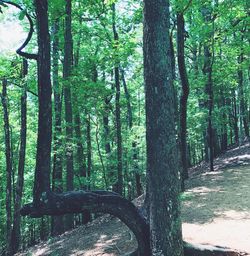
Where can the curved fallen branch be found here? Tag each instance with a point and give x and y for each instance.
(19, 50)
(109, 202)
(95, 201)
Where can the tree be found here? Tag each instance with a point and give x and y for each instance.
(162, 163)
(67, 67)
(43, 159)
(184, 93)
(119, 183)
(16, 228)
(57, 182)
(9, 165)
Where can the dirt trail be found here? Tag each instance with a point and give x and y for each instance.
(215, 210)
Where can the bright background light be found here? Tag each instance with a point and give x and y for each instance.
(12, 34)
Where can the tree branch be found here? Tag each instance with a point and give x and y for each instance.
(94, 201)
(19, 50)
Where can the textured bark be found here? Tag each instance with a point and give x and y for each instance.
(207, 71)
(162, 154)
(184, 95)
(67, 66)
(16, 232)
(43, 168)
(57, 185)
(119, 185)
(243, 111)
(9, 167)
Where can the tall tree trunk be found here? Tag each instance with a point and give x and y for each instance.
(128, 101)
(243, 111)
(184, 96)
(119, 187)
(9, 167)
(80, 157)
(207, 71)
(67, 66)
(89, 149)
(57, 184)
(16, 232)
(235, 119)
(138, 184)
(43, 159)
(162, 154)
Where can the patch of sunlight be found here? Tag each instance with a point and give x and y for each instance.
(234, 215)
(203, 190)
(229, 233)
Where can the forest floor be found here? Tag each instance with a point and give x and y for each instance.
(215, 211)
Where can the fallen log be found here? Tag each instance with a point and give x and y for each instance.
(54, 204)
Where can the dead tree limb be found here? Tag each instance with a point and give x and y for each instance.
(95, 201)
(31, 30)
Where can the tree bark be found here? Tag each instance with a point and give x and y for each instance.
(207, 71)
(243, 112)
(57, 184)
(9, 167)
(67, 66)
(162, 155)
(89, 149)
(184, 96)
(16, 232)
(43, 159)
(119, 185)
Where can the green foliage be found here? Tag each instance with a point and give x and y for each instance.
(93, 90)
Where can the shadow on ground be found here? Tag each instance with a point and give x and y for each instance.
(217, 194)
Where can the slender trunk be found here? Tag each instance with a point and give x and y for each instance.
(80, 157)
(235, 119)
(43, 159)
(243, 112)
(128, 101)
(89, 149)
(207, 71)
(162, 154)
(101, 158)
(67, 66)
(16, 232)
(138, 184)
(9, 166)
(184, 96)
(57, 184)
(119, 184)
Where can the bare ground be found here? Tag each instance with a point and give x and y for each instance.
(215, 211)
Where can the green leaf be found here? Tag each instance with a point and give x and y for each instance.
(22, 15)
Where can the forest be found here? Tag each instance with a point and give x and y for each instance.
(103, 101)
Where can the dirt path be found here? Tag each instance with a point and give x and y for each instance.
(215, 210)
